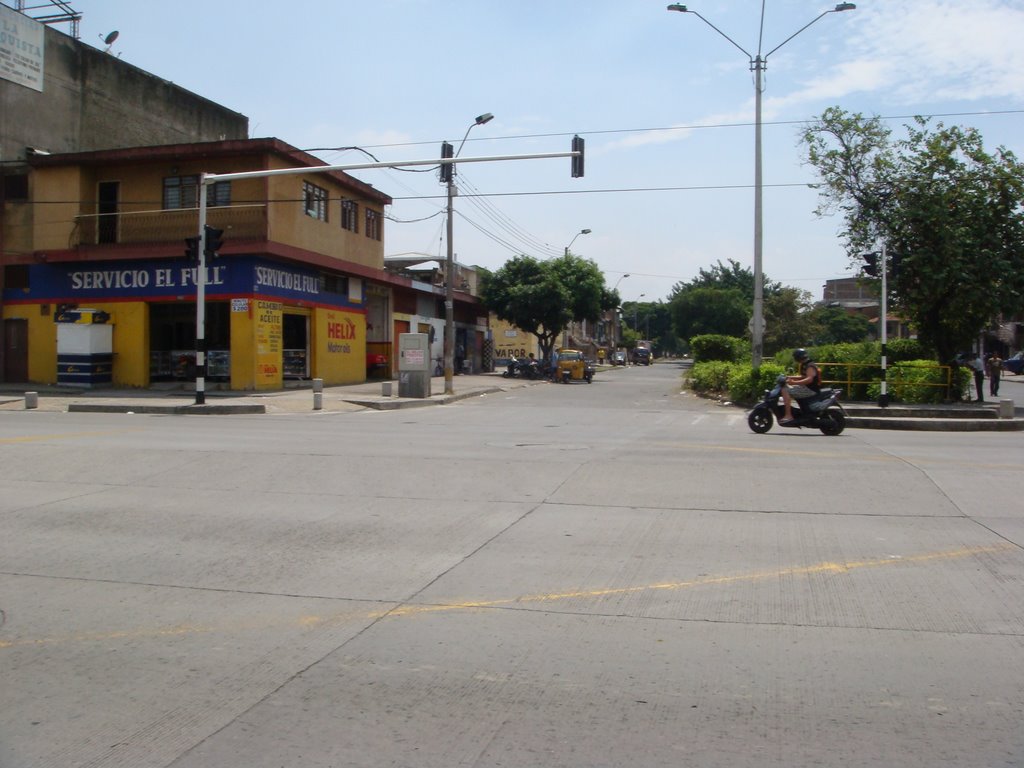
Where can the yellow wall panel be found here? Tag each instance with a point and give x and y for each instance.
(339, 344)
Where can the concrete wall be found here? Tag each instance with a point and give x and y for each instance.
(92, 100)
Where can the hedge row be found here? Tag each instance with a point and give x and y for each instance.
(911, 377)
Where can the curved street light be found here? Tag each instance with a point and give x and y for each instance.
(449, 267)
(758, 63)
(581, 232)
(615, 313)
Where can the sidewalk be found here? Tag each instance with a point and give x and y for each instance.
(298, 399)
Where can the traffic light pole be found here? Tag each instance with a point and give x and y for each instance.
(206, 179)
(201, 297)
(883, 398)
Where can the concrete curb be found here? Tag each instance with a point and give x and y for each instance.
(209, 409)
(395, 403)
(932, 424)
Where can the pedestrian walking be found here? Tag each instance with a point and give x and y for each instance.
(995, 371)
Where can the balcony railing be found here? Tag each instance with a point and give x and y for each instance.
(239, 222)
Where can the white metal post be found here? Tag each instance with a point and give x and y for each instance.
(883, 399)
(757, 321)
(201, 298)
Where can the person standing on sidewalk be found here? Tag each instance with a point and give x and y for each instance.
(995, 369)
(977, 365)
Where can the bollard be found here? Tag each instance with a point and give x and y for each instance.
(31, 400)
(318, 401)
(385, 389)
(318, 385)
(1006, 409)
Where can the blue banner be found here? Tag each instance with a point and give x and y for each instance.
(170, 278)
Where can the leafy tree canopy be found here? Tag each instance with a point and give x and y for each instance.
(727, 277)
(697, 311)
(948, 211)
(543, 297)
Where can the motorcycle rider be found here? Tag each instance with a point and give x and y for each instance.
(807, 383)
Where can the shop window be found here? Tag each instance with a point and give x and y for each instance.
(334, 284)
(349, 215)
(172, 341)
(315, 201)
(183, 192)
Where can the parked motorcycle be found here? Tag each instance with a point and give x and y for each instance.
(522, 369)
(822, 411)
(515, 368)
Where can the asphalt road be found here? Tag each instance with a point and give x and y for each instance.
(589, 575)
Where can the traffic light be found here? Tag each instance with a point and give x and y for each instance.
(213, 243)
(871, 263)
(192, 248)
(895, 262)
(447, 169)
(577, 159)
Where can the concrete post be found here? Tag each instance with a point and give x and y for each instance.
(1006, 409)
(318, 394)
(31, 400)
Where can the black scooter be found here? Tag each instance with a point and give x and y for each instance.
(525, 369)
(822, 411)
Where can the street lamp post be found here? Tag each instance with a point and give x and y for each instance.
(449, 280)
(758, 64)
(636, 312)
(615, 315)
(581, 232)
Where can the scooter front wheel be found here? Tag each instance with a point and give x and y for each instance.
(760, 420)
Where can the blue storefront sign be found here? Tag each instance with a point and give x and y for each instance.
(172, 279)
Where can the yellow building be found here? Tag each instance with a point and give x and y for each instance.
(287, 297)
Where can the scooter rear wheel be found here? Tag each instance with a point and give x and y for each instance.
(832, 422)
(760, 420)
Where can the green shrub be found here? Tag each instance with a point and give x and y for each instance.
(919, 381)
(899, 350)
(713, 346)
(747, 388)
(710, 377)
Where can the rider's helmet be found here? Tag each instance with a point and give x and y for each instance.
(800, 355)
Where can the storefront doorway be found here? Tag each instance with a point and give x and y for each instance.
(172, 342)
(15, 350)
(295, 339)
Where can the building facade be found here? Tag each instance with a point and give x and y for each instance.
(287, 297)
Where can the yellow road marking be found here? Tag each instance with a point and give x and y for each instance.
(313, 621)
(63, 436)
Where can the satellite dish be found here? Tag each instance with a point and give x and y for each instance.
(109, 39)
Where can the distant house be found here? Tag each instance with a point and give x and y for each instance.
(858, 297)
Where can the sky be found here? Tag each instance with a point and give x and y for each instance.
(664, 102)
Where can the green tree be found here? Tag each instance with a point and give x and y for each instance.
(697, 311)
(948, 211)
(787, 319)
(731, 276)
(543, 297)
(834, 325)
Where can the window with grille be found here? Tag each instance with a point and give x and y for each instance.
(315, 201)
(373, 224)
(349, 215)
(183, 192)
